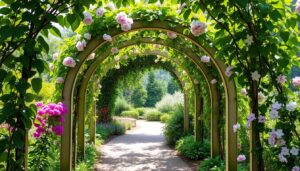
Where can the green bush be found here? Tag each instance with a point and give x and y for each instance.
(212, 164)
(192, 149)
(168, 102)
(89, 160)
(165, 117)
(105, 130)
(121, 105)
(131, 114)
(142, 110)
(152, 115)
(173, 129)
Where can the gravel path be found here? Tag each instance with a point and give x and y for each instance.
(140, 149)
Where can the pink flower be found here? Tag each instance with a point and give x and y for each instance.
(107, 37)
(60, 80)
(261, 119)
(296, 80)
(61, 119)
(111, 6)
(296, 168)
(171, 35)
(213, 81)
(297, 9)
(121, 18)
(41, 112)
(100, 12)
(88, 19)
(58, 130)
(244, 92)
(198, 28)
(114, 50)
(228, 71)
(55, 56)
(78, 37)
(80, 46)
(241, 158)
(205, 59)
(39, 104)
(126, 27)
(69, 62)
(281, 79)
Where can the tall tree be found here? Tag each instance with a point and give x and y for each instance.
(154, 91)
(173, 86)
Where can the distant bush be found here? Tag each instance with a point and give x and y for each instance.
(168, 102)
(173, 129)
(105, 130)
(121, 105)
(212, 164)
(152, 115)
(164, 117)
(142, 110)
(131, 114)
(192, 149)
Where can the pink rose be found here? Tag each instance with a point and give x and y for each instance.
(244, 92)
(55, 56)
(60, 80)
(297, 9)
(198, 28)
(281, 79)
(80, 46)
(241, 158)
(88, 19)
(205, 59)
(121, 18)
(111, 6)
(107, 37)
(126, 27)
(91, 57)
(296, 81)
(100, 12)
(228, 71)
(69, 62)
(213, 81)
(171, 35)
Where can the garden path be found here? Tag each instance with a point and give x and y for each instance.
(141, 149)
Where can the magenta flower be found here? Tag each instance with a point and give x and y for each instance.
(198, 28)
(88, 19)
(241, 158)
(69, 62)
(39, 104)
(58, 130)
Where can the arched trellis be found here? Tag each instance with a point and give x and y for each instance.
(94, 43)
(82, 90)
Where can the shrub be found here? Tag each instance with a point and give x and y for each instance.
(89, 160)
(212, 164)
(105, 130)
(164, 117)
(192, 149)
(152, 115)
(131, 114)
(173, 129)
(121, 105)
(168, 102)
(141, 110)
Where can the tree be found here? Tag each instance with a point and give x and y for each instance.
(154, 91)
(173, 86)
(139, 96)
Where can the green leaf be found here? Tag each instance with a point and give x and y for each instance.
(39, 65)
(284, 35)
(5, 10)
(55, 31)
(3, 74)
(152, 1)
(29, 97)
(36, 84)
(187, 13)
(43, 43)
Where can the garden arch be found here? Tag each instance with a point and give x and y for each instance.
(201, 67)
(94, 43)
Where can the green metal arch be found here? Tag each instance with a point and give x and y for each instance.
(229, 87)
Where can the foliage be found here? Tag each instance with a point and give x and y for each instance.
(165, 117)
(168, 102)
(152, 115)
(121, 105)
(105, 130)
(130, 113)
(192, 149)
(89, 160)
(142, 110)
(154, 91)
(173, 86)
(173, 129)
(139, 95)
(210, 164)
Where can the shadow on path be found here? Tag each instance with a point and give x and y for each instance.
(141, 149)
